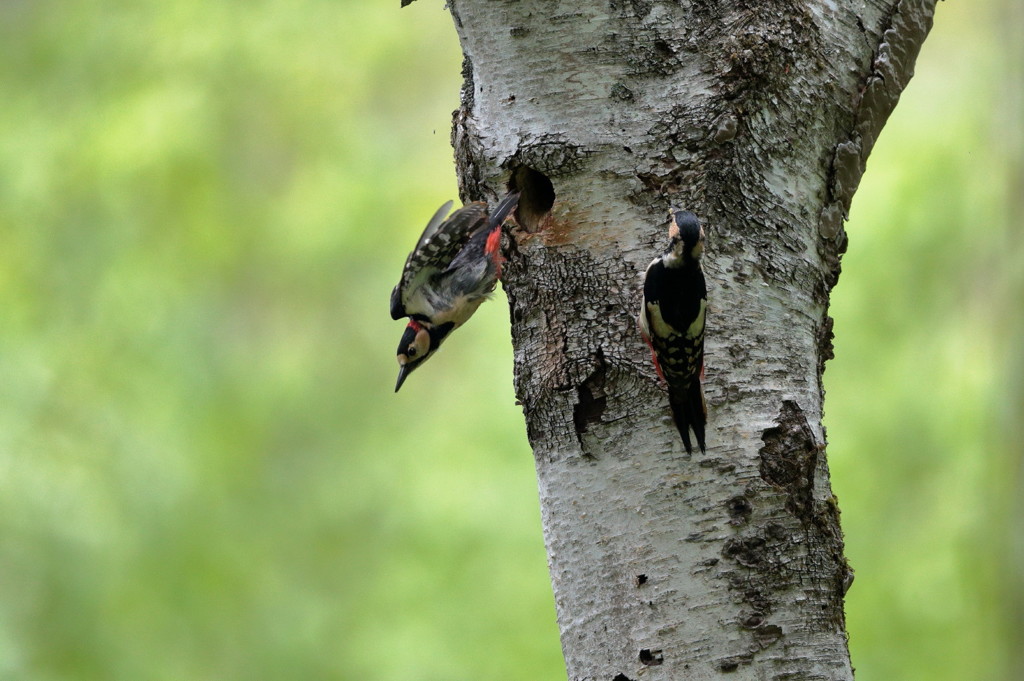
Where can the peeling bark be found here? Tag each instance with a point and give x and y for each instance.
(759, 117)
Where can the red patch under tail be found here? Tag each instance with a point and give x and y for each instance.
(493, 248)
(654, 358)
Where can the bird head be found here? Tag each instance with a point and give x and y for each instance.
(687, 236)
(419, 342)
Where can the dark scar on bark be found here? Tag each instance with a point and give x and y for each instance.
(591, 397)
(789, 457)
(739, 509)
(651, 658)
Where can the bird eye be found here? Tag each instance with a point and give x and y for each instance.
(411, 352)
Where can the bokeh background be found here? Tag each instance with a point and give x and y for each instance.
(204, 473)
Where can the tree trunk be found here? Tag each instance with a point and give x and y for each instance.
(757, 116)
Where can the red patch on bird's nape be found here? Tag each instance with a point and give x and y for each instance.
(415, 325)
(493, 248)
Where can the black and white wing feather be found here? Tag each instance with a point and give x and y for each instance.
(437, 247)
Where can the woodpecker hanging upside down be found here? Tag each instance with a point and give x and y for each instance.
(672, 323)
(454, 267)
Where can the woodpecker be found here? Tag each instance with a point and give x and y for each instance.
(454, 268)
(672, 323)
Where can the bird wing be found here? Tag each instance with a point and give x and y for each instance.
(642, 318)
(437, 247)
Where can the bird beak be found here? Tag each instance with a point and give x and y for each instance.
(403, 371)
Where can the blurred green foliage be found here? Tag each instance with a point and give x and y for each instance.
(925, 389)
(204, 473)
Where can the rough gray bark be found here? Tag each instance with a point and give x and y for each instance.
(757, 116)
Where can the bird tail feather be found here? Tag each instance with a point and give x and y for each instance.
(690, 412)
(502, 210)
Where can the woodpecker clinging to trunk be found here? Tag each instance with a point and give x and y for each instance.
(672, 323)
(454, 267)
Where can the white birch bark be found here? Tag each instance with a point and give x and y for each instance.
(757, 115)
